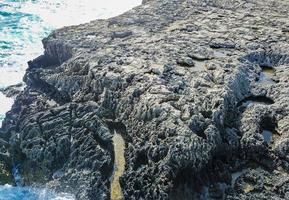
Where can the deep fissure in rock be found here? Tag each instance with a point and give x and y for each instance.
(257, 99)
(185, 185)
(267, 59)
(141, 159)
(205, 184)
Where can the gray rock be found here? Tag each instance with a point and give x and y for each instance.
(201, 54)
(222, 43)
(186, 61)
(188, 130)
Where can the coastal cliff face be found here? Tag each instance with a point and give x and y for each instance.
(199, 90)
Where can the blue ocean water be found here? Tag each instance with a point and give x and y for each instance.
(23, 24)
(8, 192)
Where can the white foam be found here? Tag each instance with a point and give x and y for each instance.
(10, 76)
(75, 12)
(5, 106)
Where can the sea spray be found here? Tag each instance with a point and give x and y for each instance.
(16, 175)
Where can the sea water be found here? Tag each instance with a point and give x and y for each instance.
(23, 24)
(7, 192)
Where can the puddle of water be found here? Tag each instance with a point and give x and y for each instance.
(119, 166)
(265, 79)
(270, 136)
(266, 75)
(267, 135)
(268, 70)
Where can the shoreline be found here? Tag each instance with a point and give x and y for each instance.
(13, 69)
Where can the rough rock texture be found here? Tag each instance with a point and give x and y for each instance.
(12, 90)
(187, 79)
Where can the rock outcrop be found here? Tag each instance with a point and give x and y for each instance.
(200, 90)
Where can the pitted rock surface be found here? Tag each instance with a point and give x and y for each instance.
(183, 78)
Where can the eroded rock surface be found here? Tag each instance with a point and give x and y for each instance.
(183, 79)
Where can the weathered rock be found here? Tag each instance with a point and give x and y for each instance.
(13, 90)
(189, 130)
(186, 61)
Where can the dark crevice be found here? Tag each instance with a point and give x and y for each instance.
(57, 52)
(201, 134)
(119, 126)
(42, 61)
(185, 185)
(141, 159)
(199, 129)
(266, 67)
(33, 79)
(268, 128)
(212, 182)
(268, 59)
(103, 144)
(189, 184)
(257, 99)
(268, 123)
(207, 114)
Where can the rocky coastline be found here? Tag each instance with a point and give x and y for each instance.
(198, 90)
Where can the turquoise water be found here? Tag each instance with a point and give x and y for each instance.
(23, 24)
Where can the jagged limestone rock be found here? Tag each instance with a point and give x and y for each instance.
(194, 83)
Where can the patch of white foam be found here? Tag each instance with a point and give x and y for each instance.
(75, 12)
(48, 195)
(10, 76)
(5, 106)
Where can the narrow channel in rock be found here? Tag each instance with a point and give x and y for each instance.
(119, 165)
